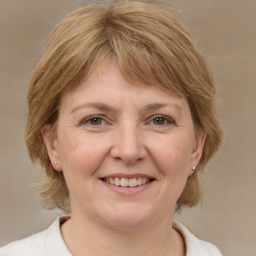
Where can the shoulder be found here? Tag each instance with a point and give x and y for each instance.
(32, 245)
(195, 246)
(48, 242)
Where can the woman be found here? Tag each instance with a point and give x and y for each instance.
(122, 118)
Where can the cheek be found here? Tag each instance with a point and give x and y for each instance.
(81, 158)
(172, 159)
(172, 155)
(81, 155)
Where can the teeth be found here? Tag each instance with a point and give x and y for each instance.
(124, 182)
(117, 182)
(133, 182)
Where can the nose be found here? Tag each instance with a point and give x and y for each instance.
(129, 145)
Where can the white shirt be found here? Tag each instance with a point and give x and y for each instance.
(50, 243)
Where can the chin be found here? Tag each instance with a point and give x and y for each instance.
(127, 218)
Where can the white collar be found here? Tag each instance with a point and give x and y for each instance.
(194, 247)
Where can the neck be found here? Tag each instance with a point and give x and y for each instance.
(87, 237)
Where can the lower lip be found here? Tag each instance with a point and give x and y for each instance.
(129, 191)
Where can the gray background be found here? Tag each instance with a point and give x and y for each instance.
(226, 33)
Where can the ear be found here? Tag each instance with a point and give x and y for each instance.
(198, 149)
(52, 145)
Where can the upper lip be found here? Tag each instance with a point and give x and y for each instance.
(127, 176)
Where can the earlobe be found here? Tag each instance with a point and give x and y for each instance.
(197, 151)
(51, 143)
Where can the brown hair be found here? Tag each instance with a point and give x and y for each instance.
(151, 47)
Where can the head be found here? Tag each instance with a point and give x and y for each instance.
(150, 46)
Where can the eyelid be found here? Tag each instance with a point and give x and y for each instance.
(167, 118)
(86, 120)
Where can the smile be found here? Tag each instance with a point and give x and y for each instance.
(125, 182)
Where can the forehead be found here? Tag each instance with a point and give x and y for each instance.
(107, 84)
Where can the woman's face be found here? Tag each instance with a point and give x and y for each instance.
(126, 151)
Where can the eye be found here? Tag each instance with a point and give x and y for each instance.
(161, 121)
(93, 121)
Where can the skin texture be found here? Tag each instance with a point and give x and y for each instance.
(106, 127)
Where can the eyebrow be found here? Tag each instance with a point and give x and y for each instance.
(106, 108)
(95, 105)
(156, 106)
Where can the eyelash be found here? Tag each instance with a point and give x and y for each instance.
(165, 119)
(89, 119)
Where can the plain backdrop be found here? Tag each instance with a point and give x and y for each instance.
(226, 33)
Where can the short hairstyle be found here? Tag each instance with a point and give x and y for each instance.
(151, 47)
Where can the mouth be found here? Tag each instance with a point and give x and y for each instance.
(127, 182)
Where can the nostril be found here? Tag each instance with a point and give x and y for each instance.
(129, 147)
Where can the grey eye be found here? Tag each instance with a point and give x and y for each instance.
(96, 121)
(159, 120)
